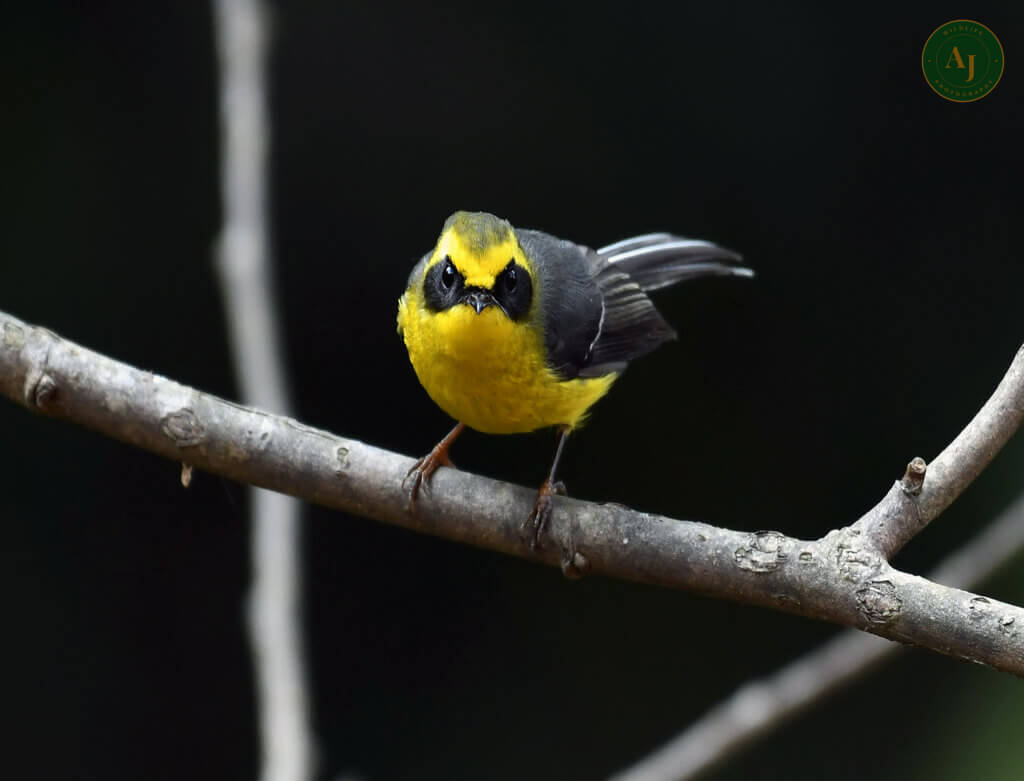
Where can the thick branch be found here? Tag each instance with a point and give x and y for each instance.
(925, 491)
(838, 578)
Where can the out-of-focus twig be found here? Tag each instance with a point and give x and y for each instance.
(243, 262)
(761, 706)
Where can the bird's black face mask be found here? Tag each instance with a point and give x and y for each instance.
(444, 287)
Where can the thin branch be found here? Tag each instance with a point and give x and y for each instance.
(243, 261)
(925, 491)
(837, 578)
(761, 706)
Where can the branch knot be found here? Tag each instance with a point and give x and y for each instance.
(183, 427)
(878, 602)
(913, 478)
(764, 552)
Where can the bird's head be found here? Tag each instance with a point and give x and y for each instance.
(478, 263)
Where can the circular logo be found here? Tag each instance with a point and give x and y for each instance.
(962, 61)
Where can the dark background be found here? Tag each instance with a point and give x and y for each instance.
(882, 222)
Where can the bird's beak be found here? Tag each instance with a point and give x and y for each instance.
(478, 299)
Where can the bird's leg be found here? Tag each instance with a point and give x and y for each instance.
(420, 473)
(537, 521)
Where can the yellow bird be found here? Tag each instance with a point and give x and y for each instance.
(513, 330)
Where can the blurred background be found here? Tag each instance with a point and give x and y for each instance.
(880, 219)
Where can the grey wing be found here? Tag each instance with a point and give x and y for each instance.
(570, 302)
(631, 326)
(596, 314)
(658, 260)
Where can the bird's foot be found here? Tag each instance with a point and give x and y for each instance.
(536, 522)
(574, 564)
(419, 475)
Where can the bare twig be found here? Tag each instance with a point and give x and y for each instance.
(243, 261)
(926, 491)
(765, 704)
(837, 578)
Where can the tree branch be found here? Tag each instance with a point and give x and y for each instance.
(925, 491)
(764, 704)
(841, 578)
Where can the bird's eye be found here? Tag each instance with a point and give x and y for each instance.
(442, 285)
(513, 290)
(510, 278)
(448, 274)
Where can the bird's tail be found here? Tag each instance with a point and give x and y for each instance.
(656, 260)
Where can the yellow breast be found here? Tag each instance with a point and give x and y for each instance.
(488, 371)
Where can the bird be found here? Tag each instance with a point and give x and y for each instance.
(511, 330)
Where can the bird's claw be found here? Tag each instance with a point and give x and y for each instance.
(536, 522)
(574, 564)
(419, 474)
(414, 478)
